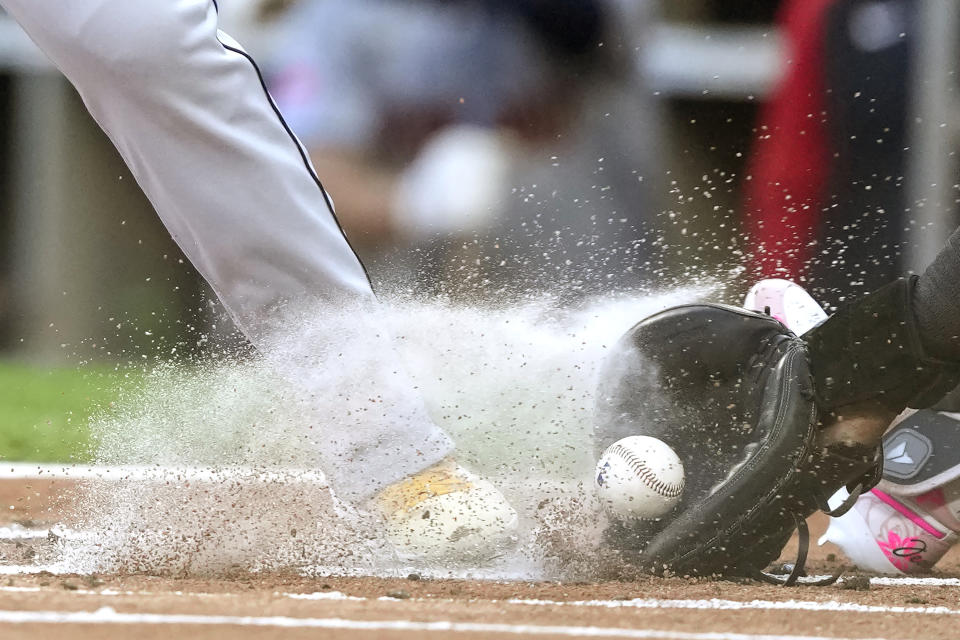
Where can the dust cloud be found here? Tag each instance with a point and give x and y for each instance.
(227, 458)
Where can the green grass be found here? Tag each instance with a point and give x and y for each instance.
(44, 413)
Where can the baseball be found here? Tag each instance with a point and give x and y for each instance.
(639, 477)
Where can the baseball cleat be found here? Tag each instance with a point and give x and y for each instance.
(910, 520)
(446, 513)
(890, 534)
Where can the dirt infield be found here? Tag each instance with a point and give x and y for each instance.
(35, 604)
(268, 606)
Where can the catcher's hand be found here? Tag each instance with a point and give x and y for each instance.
(731, 392)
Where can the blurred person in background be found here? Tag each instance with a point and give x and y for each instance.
(432, 122)
(826, 202)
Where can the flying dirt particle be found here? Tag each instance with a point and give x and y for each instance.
(855, 583)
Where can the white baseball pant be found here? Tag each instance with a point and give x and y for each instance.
(188, 111)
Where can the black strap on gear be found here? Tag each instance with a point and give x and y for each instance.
(803, 533)
(803, 540)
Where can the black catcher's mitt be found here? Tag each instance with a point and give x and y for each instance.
(731, 392)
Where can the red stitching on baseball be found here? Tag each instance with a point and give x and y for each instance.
(649, 478)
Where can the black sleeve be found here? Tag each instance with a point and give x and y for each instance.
(937, 302)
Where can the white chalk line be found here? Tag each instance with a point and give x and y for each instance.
(716, 604)
(712, 604)
(108, 593)
(33, 471)
(893, 581)
(878, 581)
(17, 532)
(106, 615)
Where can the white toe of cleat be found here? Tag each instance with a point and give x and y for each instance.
(447, 514)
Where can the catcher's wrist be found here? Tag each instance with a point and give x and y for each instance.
(856, 425)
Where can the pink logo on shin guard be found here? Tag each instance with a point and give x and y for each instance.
(901, 552)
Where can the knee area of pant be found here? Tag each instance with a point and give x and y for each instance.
(123, 39)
